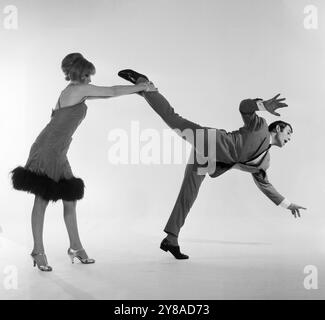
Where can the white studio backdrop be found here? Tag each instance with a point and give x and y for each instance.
(205, 57)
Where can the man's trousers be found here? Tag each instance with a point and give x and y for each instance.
(192, 180)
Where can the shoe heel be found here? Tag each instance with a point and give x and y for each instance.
(71, 255)
(45, 267)
(163, 247)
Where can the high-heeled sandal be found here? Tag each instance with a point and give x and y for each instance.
(74, 254)
(45, 267)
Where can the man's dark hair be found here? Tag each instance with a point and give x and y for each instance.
(282, 125)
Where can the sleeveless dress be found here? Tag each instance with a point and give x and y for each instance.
(47, 172)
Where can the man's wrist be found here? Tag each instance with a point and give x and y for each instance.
(285, 203)
(260, 105)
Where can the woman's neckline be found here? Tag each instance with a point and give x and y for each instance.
(82, 102)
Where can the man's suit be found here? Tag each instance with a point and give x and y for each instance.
(237, 149)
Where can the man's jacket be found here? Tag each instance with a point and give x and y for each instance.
(235, 149)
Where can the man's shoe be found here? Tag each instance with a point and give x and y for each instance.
(131, 75)
(174, 250)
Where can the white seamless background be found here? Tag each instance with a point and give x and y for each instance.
(205, 57)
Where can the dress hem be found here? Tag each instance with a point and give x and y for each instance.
(42, 185)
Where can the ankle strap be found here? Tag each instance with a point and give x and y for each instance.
(75, 251)
(37, 254)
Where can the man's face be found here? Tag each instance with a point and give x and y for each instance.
(282, 137)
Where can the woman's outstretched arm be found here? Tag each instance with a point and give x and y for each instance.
(99, 92)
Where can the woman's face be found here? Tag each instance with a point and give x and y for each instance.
(87, 79)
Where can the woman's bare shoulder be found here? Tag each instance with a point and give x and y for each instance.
(70, 96)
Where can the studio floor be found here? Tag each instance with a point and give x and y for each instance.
(140, 270)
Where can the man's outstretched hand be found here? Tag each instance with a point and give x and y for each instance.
(273, 104)
(294, 208)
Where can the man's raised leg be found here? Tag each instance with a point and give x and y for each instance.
(201, 138)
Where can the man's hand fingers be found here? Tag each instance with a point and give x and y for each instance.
(281, 105)
(298, 213)
(282, 99)
(276, 96)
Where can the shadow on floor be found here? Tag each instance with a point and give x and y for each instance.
(227, 242)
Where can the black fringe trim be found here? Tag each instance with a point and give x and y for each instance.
(40, 184)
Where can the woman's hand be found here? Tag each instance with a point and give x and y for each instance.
(150, 87)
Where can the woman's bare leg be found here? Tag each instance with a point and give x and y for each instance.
(70, 219)
(38, 222)
(38, 213)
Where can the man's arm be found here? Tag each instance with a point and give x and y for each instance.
(247, 110)
(262, 182)
(248, 107)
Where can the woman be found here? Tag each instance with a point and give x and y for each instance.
(47, 172)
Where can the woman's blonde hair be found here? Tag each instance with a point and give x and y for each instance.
(75, 67)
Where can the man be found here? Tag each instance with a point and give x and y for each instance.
(245, 149)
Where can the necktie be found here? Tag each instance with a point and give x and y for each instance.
(262, 153)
